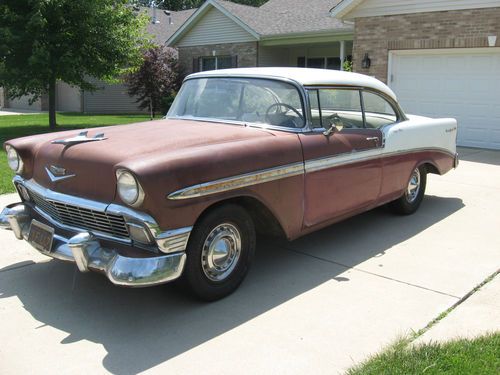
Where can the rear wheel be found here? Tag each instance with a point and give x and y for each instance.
(219, 252)
(410, 201)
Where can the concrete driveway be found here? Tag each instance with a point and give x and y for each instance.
(317, 305)
(11, 111)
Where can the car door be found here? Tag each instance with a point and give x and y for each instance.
(343, 169)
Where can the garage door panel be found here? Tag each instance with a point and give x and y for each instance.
(495, 137)
(464, 84)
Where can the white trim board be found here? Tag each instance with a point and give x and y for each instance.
(351, 9)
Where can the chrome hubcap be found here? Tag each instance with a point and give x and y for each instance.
(413, 186)
(221, 252)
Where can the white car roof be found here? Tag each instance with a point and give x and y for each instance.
(305, 77)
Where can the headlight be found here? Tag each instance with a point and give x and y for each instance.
(129, 189)
(14, 160)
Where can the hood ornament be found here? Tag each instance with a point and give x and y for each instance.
(57, 174)
(80, 138)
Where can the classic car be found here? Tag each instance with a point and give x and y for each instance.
(241, 151)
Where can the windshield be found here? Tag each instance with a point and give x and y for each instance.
(246, 100)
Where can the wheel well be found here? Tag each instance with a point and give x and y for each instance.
(431, 168)
(264, 220)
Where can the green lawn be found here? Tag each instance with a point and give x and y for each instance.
(22, 125)
(472, 357)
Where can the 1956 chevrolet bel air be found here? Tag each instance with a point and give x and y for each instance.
(287, 150)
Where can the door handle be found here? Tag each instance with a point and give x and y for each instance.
(376, 139)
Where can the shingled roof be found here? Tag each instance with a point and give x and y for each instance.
(288, 16)
(167, 25)
(278, 17)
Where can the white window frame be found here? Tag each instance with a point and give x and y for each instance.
(212, 57)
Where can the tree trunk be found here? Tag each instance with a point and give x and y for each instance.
(52, 103)
(150, 108)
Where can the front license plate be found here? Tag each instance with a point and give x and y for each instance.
(41, 236)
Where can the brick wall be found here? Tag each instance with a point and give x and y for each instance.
(246, 52)
(452, 29)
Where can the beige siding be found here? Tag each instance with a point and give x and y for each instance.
(68, 98)
(110, 98)
(23, 103)
(387, 7)
(215, 28)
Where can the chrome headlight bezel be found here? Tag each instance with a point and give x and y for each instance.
(14, 160)
(126, 180)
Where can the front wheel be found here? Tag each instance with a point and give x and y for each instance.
(219, 252)
(410, 201)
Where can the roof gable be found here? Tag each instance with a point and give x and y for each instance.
(351, 9)
(212, 9)
(273, 19)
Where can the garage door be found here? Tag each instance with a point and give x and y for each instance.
(459, 83)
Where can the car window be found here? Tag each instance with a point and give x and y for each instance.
(341, 107)
(378, 111)
(247, 100)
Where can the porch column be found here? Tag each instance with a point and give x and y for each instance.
(342, 54)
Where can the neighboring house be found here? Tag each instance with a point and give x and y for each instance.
(110, 98)
(222, 34)
(442, 58)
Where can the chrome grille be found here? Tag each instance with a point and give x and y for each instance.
(79, 217)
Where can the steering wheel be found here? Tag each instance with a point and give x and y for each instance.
(289, 108)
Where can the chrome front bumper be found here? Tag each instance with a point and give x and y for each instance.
(86, 251)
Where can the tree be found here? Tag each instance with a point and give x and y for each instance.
(42, 41)
(189, 4)
(156, 80)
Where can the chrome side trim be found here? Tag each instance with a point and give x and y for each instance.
(237, 182)
(362, 156)
(295, 169)
(341, 160)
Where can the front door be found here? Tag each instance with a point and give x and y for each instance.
(343, 169)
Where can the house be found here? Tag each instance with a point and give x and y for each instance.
(441, 57)
(110, 98)
(222, 34)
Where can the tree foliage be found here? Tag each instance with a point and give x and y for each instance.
(157, 80)
(189, 4)
(42, 41)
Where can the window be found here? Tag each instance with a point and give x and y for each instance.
(343, 108)
(247, 100)
(217, 62)
(332, 63)
(378, 111)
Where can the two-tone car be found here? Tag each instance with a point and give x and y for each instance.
(276, 150)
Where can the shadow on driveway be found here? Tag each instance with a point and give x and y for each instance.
(141, 328)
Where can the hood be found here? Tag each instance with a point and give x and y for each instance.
(93, 164)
